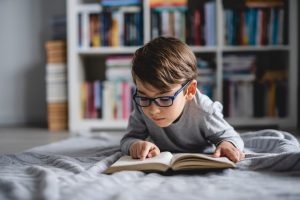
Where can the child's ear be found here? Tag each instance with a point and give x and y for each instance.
(191, 90)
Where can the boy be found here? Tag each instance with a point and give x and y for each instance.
(170, 110)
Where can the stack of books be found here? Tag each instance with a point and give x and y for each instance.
(56, 85)
(58, 26)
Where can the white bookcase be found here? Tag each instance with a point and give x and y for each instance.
(76, 68)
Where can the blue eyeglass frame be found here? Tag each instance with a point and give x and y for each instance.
(153, 99)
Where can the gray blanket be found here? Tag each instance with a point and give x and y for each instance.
(73, 169)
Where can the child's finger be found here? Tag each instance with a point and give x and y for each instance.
(133, 152)
(233, 155)
(153, 152)
(145, 150)
(217, 153)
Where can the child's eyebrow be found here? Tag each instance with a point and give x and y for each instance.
(160, 93)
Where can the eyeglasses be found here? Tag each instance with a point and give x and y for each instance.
(163, 101)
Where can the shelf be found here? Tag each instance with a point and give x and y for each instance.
(89, 8)
(107, 50)
(216, 54)
(131, 50)
(204, 49)
(256, 48)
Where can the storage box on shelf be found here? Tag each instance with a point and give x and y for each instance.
(215, 30)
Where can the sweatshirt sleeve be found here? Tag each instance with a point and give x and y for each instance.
(217, 129)
(136, 130)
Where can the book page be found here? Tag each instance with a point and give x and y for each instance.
(164, 158)
(197, 160)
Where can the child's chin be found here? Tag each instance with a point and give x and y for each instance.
(163, 124)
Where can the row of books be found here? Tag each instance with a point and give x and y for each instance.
(238, 97)
(238, 76)
(118, 68)
(255, 98)
(56, 85)
(239, 64)
(107, 100)
(120, 26)
(195, 26)
(117, 23)
(271, 94)
(254, 26)
(169, 22)
(243, 97)
(112, 100)
(206, 77)
(206, 85)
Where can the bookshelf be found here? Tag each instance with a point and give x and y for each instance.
(216, 52)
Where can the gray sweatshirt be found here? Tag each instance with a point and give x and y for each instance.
(200, 126)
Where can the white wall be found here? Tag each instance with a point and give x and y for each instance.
(23, 29)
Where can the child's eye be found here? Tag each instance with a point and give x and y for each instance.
(144, 99)
(164, 99)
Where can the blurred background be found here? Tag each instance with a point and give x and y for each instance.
(25, 28)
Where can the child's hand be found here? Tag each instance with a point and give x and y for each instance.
(230, 151)
(143, 149)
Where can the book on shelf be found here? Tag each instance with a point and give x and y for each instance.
(167, 161)
(210, 24)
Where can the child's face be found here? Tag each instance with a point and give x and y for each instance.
(162, 116)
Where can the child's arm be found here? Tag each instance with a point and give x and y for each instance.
(217, 129)
(228, 150)
(143, 149)
(136, 131)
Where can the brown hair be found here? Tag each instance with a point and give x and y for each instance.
(164, 61)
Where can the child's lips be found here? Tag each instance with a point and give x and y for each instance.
(157, 119)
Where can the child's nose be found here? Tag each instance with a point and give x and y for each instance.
(153, 108)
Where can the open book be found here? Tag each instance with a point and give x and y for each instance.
(167, 161)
